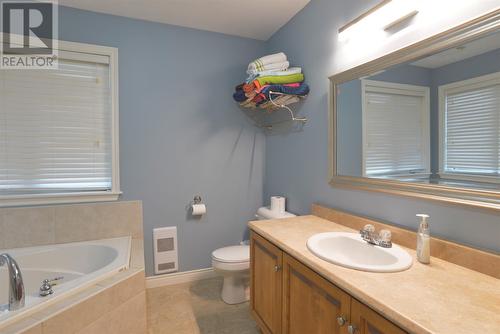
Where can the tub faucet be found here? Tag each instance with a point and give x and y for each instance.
(16, 285)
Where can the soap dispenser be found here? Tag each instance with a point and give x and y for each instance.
(423, 240)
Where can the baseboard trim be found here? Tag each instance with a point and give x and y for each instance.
(178, 278)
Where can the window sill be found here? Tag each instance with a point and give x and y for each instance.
(61, 198)
(470, 177)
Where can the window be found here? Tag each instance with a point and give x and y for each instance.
(58, 129)
(470, 129)
(395, 129)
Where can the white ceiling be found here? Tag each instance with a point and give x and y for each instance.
(258, 19)
(469, 50)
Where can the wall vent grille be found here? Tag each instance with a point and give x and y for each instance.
(165, 250)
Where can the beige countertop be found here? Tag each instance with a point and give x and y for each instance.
(437, 298)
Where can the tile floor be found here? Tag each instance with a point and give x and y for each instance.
(196, 308)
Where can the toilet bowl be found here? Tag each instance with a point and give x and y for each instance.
(233, 263)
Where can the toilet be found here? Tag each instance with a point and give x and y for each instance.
(233, 263)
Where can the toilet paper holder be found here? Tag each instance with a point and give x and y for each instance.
(197, 199)
(196, 207)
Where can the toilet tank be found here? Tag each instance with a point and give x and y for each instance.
(266, 213)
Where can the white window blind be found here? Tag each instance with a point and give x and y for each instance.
(56, 128)
(395, 130)
(472, 130)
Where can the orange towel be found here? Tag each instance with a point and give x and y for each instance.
(247, 88)
(257, 85)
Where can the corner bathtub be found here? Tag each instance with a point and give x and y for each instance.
(82, 264)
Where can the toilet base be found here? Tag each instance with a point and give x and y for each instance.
(236, 289)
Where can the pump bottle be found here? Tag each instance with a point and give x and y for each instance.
(424, 240)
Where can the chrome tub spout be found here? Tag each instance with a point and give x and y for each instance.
(16, 285)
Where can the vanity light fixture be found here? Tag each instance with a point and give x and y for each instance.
(382, 17)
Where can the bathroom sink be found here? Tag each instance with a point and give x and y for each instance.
(351, 251)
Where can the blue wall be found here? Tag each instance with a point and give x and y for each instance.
(297, 164)
(406, 74)
(350, 129)
(180, 132)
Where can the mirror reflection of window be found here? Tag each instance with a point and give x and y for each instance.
(470, 129)
(395, 130)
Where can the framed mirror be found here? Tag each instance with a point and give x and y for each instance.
(423, 121)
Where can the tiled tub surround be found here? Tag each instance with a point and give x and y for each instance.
(47, 225)
(114, 305)
(438, 298)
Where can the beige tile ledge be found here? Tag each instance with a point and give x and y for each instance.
(26, 325)
(438, 298)
(137, 254)
(33, 321)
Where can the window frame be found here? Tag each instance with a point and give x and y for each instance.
(84, 196)
(454, 87)
(376, 86)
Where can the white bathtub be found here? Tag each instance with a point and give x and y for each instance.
(81, 264)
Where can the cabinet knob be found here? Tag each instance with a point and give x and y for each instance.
(277, 268)
(341, 320)
(351, 329)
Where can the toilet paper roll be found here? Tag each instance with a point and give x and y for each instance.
(282, 204)
(198, 209)
(278, 204)
(275, 203)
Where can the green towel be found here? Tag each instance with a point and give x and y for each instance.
(280, 79)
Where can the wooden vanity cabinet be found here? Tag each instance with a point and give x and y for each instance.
(366, 321)
(311, 304)
(266, 279)
(287, 297)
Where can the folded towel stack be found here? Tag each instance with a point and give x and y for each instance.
(271, 78)
(275, 62)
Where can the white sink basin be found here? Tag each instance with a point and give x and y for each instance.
(351, 251)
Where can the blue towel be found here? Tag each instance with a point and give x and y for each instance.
(239, 96)
(302, 90)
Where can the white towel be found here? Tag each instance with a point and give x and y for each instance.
(269, 67)
(264, 63)
(291, 70)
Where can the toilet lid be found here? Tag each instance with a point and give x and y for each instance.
(232, 254)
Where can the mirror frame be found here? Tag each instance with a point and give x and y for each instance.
(456, 36)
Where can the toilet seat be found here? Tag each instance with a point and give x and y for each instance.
(232, 254)
(232, 258)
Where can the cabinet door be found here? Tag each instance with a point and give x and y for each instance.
(266, 261)
(366, 321)
(312, 305)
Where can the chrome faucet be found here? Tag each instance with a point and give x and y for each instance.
(47, 284)
(16, 285)
(382, 239)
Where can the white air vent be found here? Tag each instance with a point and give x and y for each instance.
(165, 250)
